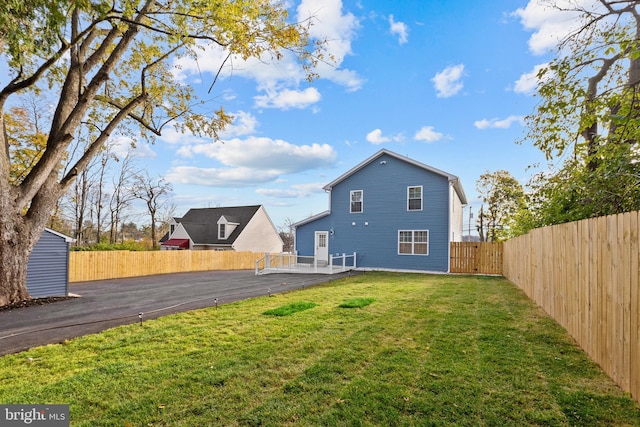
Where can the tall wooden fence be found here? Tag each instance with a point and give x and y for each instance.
(585, 275)
(98, 265)
(476, 257)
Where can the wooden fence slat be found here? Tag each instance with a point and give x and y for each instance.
(634, 305)
(476, 257)
(586, 276)
(99, 265)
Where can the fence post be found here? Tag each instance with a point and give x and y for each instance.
(330, 263)
(354, 260)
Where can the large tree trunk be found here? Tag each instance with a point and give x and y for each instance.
(19, 233)
(154, 240)
(16, 243)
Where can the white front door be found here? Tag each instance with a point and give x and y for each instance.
(321, 252)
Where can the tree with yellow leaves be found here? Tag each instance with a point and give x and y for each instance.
(110, 65)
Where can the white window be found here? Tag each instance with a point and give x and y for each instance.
(222, 231)
(414, 198)
(356, 201)
(413, 242)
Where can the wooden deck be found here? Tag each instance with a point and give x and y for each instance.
(285, 263)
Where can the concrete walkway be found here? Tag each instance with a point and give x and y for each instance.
(107, 303)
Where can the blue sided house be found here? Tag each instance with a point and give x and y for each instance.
(394, 212)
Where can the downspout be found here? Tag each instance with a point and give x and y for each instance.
(295, 240)
(451, 189)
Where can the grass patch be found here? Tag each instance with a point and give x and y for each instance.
(289, 309)
(357, 302)
(433, 350)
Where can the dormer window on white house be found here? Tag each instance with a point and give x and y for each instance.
(225, 228)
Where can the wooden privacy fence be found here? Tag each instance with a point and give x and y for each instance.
(585, 275)
(476, 257)
(98, 265)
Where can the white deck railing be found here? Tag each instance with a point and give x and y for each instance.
(290, 263)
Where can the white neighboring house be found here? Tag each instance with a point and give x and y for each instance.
(238, 228)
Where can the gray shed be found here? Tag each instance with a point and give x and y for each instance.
(48, 268)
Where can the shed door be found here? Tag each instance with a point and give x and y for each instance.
(321, 252)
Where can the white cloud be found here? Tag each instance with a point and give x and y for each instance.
(288, 98)
(250, 161)
(243, 124)
(172, 136)
(549, 23)
(375, 137)
(294, 192)
(219, 177)
(498, 123)
(330, 23)
(448, 81)
(281, 77)
(428, 134)
(121, 146)
(267, 153)
(528, 82)
(400, 29)
(339, 30)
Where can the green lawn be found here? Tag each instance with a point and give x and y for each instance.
(426, 350)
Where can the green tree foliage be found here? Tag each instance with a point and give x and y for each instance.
(110, 65)
(588, 120)
(503, 196)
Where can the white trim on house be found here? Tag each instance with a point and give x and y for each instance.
(409, 187)
(65, 237)
(351, 201)
(312, 218)
(413, 243)
(229, 227)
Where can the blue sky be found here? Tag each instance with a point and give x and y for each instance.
(445, 83)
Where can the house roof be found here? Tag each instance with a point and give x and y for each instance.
(454, 180)
(202, 224)
(65, 237)
(311, 218)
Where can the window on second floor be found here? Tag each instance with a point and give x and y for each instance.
(414, 198)
(222, 231)
(356, 201)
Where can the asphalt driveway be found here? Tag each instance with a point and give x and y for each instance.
(107, 303)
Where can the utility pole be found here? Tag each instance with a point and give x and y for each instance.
(481, 224)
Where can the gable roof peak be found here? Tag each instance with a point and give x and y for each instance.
(453, 180)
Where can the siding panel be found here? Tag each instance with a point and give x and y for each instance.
(47, 271)
(373, 234)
